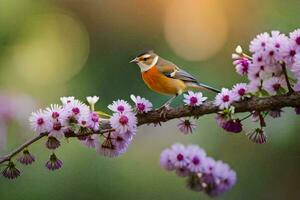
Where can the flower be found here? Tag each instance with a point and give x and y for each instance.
(76, 109)
(120, 142)
(239, 49)
(26, 158)
(56, 113)
(196, 157)
(242, 65)
(239, 90)
(224, 177)
(66, 100)
(54, 163)
(186, 126)
(57, 130)
(11, 172)
(259, 43)
(94, 121)
(91, 141)
(120, 106)
(295, 37)
(277, 44)
(254, 86)
(194, 98)
(123, 122)
(224, 99)
(257, 136)
(107, 148)
(203, 173)
(296, 66)
(92, 100)
(274, 85)
(233, 125)
(165, 161)
(39, 122)
(179, 156)
(142, 105)
(52, 143)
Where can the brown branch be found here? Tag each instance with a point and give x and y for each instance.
(253, 104)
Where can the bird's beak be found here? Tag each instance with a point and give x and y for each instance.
(135, 60)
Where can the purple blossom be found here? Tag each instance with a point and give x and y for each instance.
(196, 157)
(26, 158)
(142, 105)
(11, 172)
(257, 136)
(54, 163)
(295, 37)
(242, 65)
(91, 141)
(52, 143)
(203, 173)
(233, 125)
(194, 98)
(259, 44)
(165, 160)
(186, 126)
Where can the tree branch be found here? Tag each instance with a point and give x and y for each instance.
(253, 104)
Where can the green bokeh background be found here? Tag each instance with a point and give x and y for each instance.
(111, 33)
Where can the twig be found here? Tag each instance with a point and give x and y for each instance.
(283, 66)
(249, 105)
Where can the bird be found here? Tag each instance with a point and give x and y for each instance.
(164, 77)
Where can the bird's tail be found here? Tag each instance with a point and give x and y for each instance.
(202, 86)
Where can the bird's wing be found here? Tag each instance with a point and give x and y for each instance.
(170, 70)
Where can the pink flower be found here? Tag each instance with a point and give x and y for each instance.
(66, 100)
(278, 44)
(142, 105)
(178, 156)
(196, 158)
(76, 109)
(186, 126)
(123, 122)
(259, 43)
(242, 65)
(91, 141)
(296, 67)
(224, 99)
(274, 85)
(239, 90)
(120, 106)
(57, 130)
(94, 121)
(165, 161)
(57, 113)
(194, 98)
(40, 122)
(254, 86)
(295, 37)
(257, 136)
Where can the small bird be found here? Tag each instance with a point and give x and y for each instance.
(165, 77)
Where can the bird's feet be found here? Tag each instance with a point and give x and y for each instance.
(164, 110)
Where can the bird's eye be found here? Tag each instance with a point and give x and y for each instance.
(145, 59)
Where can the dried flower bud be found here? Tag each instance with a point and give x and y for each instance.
(26, 158)
(11, 172)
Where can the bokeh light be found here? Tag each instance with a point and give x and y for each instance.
(47, 56)
(195, 29)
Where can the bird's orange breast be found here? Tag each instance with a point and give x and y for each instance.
(160, 83)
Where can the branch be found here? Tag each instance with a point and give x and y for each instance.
(253, 104)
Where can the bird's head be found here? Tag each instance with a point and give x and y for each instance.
(146, 60)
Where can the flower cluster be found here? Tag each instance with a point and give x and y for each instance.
(204, 174)
(272, 54)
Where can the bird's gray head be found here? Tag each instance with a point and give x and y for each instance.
(146, 60)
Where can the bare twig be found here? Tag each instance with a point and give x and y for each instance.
(253, 104)
(283, 66)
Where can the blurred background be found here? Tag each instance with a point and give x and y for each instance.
(53, 48)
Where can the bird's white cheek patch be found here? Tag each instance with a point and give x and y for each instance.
(145, 67)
